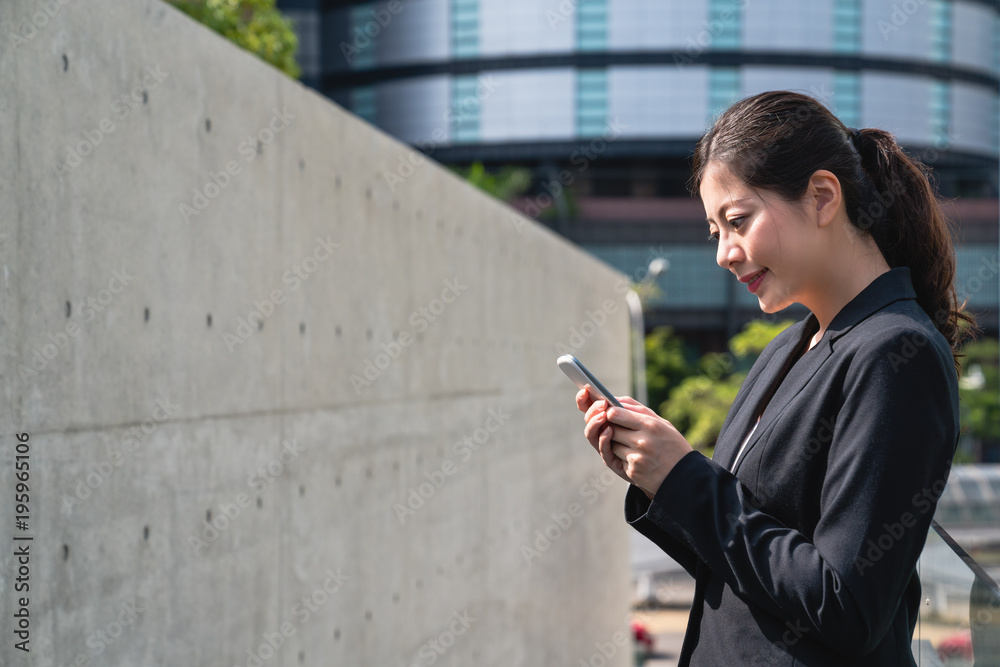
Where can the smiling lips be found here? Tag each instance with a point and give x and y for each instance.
(753, 280)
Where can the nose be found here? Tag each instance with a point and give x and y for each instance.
(728, 252)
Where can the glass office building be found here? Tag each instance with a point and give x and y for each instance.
(604, 100)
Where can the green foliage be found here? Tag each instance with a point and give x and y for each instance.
(666, 364)
(696, 397)
(510, 182)
(979, 390)
(755, 337)
(256, 25)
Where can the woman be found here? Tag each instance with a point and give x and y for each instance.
(804, 530)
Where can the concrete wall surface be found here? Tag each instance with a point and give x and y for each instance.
(281, 408)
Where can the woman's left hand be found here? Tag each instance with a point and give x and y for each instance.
(648, 445)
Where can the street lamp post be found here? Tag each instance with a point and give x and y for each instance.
(656, 267)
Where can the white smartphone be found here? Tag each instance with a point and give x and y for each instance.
(580, 376)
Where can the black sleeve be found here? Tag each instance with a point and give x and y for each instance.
(636, 506)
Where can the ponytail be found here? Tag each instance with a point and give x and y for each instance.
(904, 217)
(777, 140)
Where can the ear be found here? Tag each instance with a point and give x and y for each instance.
(824, 196)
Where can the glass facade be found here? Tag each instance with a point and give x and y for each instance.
(847, 98)
(847, 26)
(940, 114)
(723, 90)
(592, 25)
(940, 29)
(464, 28)
(364, 103)
(591, 102)
(465, 103)
(725, 23)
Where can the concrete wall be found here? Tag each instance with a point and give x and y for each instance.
(187, 373)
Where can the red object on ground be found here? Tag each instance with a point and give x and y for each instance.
(956, 646)
(642, 635)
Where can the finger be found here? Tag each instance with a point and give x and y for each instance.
(630, 402)
(593, 428)
(583, 399)
(604, 442)
(627, 417)
(597, 407)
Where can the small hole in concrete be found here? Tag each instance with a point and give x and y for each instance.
(208, 320)
(337, 330)
(368, 193)
(208, 124)
(368, 334)
(260, 502)
(368, 473)
(302, 328)
(336, 180)
(65, 62)
(260, 325)
(302, 656)
(260, 147)
(302, 490)
(395, 465)
(208, 516)
(336, 481)
(368, 615)
(65, 552)
(395, 205)
(145, 532)
(395, 598)
(69, 308)
(302, 165)
(145, 315)
(145, 97)
(336, 633)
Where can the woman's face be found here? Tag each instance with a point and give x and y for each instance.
(765, 241)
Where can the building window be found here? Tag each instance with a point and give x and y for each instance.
(725, 19)
(592, 25)
(464, 118)
(847, 98)
(940, 114)
(591, 102)
(847, 26)
(464, 28)
(723, 90)
(363, 103)
(995, 125)
(940, 30)
(360, 17)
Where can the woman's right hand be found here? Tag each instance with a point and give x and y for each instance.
(598, 432)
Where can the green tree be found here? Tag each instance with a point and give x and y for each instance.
(506, 184)
(979, 390)
(696, 397)
(256, 25)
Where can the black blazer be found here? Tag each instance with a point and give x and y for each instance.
(806, 554)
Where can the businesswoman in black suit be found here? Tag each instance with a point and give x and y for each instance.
(804, 530)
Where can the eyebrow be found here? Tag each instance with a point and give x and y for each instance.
(729, 204)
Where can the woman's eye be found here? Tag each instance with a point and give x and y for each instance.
(736, 222)
(713, 236)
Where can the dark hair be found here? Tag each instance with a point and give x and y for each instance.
(776, 141)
